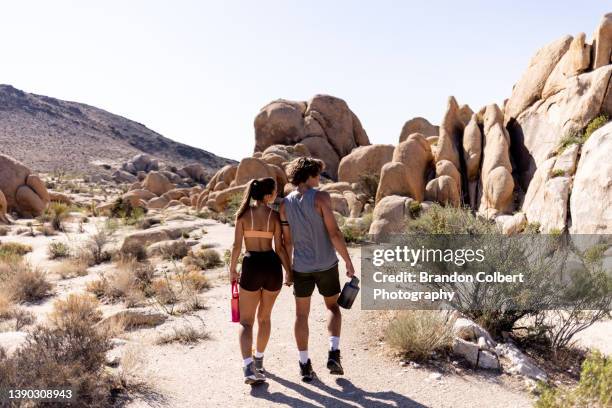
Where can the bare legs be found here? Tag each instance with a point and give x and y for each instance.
(334, 317)
(302, 311)
(249, 302)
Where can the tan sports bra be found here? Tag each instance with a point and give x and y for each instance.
(252, 233)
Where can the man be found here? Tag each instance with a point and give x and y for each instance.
(312, 237)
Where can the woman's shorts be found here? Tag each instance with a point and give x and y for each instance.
(261, 270)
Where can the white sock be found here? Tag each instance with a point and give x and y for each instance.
(258, 354)
(304, 356)
(247, 361)
(334, 342)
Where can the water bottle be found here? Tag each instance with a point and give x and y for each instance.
(349, 293)
(235, 301)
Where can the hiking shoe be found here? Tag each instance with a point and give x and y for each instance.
(306, 371)
(333, 363)
(252, 376)
(259, 364)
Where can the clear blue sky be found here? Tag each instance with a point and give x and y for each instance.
(198, 71)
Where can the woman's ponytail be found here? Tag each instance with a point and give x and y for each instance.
(246, 200)
(257, 189)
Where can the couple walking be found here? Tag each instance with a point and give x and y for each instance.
(306, 238)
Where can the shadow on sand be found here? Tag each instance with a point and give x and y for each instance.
(319, 392)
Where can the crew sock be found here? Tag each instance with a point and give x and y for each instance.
(334, 342)
(304, 356)
(258, 354)
(247, 361)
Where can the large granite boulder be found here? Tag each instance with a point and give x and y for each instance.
(418, 125)
(364, 160)
(25, 193)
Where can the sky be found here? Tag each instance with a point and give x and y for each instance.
(199, 71)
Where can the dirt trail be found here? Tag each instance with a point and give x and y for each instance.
(209, 373)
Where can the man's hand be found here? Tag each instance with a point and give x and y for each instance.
(350, 269)
(234, 276)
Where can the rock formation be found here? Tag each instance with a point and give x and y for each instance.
(418, 125)
(325, 125)
(24, 192)
(364, 160)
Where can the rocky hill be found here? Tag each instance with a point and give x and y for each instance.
(48, 134)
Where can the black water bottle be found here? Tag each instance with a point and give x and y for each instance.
(349, 293)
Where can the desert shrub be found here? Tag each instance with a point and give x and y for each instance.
(75, 309)
(450, 220)
(595, 124)
(23, 283)
(176, 250)
(58, 249)
(582, 136)
(201, 259)
(129, 282)
(53, 357)
(415, 209)
(163, 291)
(369, 184)
(71, 268)
(357, 231)
(95, 247)
(417, 333)
(46, 230)
(186, 334)
(13, 250)
(594, 388)
(558, 173)
(227, 257)
(194, 279)
(56, 213)
(532, 228)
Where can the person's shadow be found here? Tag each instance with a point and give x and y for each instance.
(350, 395)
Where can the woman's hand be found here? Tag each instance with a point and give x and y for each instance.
(234, 276)
(288, 278)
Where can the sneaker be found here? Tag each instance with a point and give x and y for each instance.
(333, 363)
(306, 371)
(252, 376)
(259, 365)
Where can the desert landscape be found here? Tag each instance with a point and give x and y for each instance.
(115, 243)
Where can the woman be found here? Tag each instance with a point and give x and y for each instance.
(261, 277)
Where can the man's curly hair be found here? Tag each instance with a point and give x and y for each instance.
(300, 169)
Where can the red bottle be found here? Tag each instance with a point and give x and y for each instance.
(235, 306)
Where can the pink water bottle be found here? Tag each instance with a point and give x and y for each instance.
(235, 306)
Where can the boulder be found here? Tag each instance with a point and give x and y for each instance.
(157, 203)
(24, 192)
(132, 318)
(141, 162)
(338, 187)
(451, 132)
(173, 203)
(472, 148)
(364, 160)
(591, 196)
(252, 168)
(355, 205)
(575, 61)
(157, 183)
(135, 186)
(520, 363)
(176, 194)
(3, 206)
(390, 216)
(475, 355)
(537, 132)
(142, 194)
(418, 125)
(320, 148)
(549, 207)
(171, 176)
(512, 224)
(414, 154)
(566, 160)
(446, 168)
(497, 192)
(602, 42)
(195, 171)
(469, 330)
(218, 200)
(279, 122)
(156, 234)
(121, 176)
(339, 204)
(443, 189)
(529, 88)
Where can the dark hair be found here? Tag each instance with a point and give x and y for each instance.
(300, 169)
(257, 189)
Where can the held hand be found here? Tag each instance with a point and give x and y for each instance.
(350, 270)
(234, 276)
(288, 278)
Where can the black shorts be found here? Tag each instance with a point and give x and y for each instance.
(327, 282)
(261, 270)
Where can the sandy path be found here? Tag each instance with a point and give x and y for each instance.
(209, 373)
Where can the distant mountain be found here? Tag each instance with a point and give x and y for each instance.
(49, 134)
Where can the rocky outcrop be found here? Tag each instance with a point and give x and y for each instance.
(325, 124)
(157, 183)
(443, 189)
(364, 160)
(390, 216)
(3, 207)
(25, 193)
(592, 191)
(418, 125)
(529, 88)
(602, 42)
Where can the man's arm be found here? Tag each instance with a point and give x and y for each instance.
(287, 242)
(323, 204)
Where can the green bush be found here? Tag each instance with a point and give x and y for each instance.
(580, 138)
(558, 173)
(449, 220)
(58, 249)
(593, 390)
(56, 213)
(203, 259)
(356, 231)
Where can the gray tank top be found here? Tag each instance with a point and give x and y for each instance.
(312, 249)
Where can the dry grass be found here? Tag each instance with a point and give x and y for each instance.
(128, 283)
(24, 283)
(202, 259)
(71, 268)
(195, 280)
(58, 249)
(75, 309)
(10, 251)
(186, 334)
(417, 333)
(176, 250)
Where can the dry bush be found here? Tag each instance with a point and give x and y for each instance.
(418, 333)
(46, 230)
(186, 334)
(58, 249)
(162, 289)
(202, 259)
(95, 247)
(23, 283)
(9, 251)
(71, 268)
(56, 213)
(127, 283)
(195, 279)
(75, 309)
(176, 250)
(133, 251)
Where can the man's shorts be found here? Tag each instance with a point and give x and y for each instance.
(327, 282)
